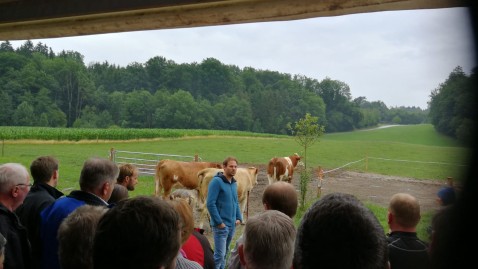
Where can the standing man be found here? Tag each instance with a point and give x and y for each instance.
(126, 181)
(97, 179)
(128, 176)
(223, 206)
(14, 187)
(406, 250)
(43, 193)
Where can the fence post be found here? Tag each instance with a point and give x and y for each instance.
(320, 176)
(112, 154)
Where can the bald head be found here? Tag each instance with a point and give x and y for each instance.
(281, 196)
(406, 209)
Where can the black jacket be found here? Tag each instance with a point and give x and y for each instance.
(406, 250)
(40, 196)
(17, 250)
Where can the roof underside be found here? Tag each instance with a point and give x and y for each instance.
(33, 19)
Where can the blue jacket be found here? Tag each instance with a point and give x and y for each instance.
(222, 202)
(51, 218)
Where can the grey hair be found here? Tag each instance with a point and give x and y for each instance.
(269, 240)
(12, 174)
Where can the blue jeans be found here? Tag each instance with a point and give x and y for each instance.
(222, 240)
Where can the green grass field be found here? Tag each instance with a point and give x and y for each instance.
(411, 151)
(415, 151)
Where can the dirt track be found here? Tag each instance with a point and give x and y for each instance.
(367, 187)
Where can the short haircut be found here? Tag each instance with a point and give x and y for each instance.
(126, 170)
(338, 231)
(269, 240)
(42, 168)
(406, 209)
(12, 174)
(119, 193)
(75, 237)
(97, 171)
(228, 159)
(186, 217)
(138, 233)
(281, 196)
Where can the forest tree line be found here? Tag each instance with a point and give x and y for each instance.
(39, 87)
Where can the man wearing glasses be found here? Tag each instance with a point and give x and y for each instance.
(14, 187)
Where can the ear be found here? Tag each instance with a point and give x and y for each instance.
(105, 188)
(15, 191)
(389, 217)
(55, 174)
(266, 207)
(242, 258)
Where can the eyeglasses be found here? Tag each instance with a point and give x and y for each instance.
(23, 184)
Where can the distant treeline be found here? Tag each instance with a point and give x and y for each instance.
(39, 87)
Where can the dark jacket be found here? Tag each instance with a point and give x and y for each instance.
(40, 196)
(51, 218)
(406, 250)
(17, 250)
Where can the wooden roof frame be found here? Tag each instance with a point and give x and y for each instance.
(34, 19)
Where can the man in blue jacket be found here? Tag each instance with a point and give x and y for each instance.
(97, 180)
(223, 206)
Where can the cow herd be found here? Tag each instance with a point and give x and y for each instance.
(195, 177)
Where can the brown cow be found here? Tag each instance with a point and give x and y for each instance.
(282, 168)
(178, 174)
(246, 179)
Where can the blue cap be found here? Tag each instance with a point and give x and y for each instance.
(447, 195)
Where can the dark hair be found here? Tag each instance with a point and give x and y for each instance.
(281, 196)
(138, 233)
(338, 231)
(42, 168)
(75, 237)
(228, 159)
(119, 193)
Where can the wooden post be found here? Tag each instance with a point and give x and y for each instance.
(247, 207)
(320, 177)
(112, 154)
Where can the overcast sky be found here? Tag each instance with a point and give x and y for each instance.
(396, 57)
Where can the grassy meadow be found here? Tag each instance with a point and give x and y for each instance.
(414, 151)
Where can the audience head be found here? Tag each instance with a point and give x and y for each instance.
(98, 176)
(440, 239)
(403, 212)
(338, 231)
(281, 196)
(119, 193)
(76, 235)
(186, 217)
(138, 233)
(268, 241)
(446, 196)
(128, 176)
(14, 185)
(44, 169)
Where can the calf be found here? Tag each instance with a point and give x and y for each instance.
(246, 179)
(178, 174)
(282, 168)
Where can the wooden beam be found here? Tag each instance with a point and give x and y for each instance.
(33, 19)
